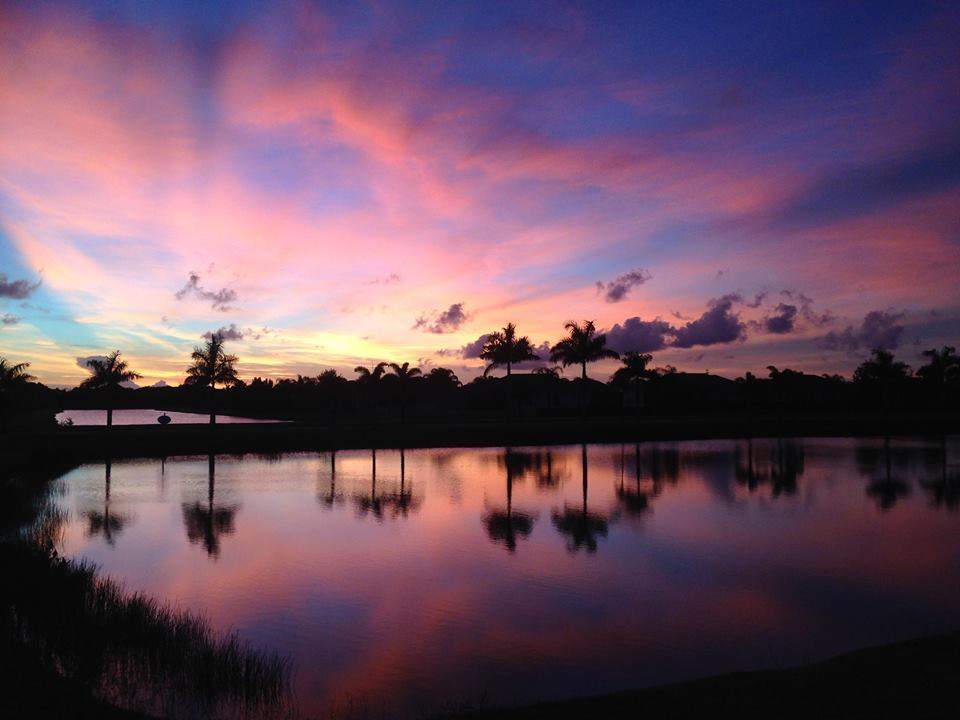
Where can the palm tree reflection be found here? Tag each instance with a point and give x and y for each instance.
(374, 503)
(505, 526)
(106, 523)
(581, 526)
(206, 524)
(782, 468)
(635, 500)
(887, 490)
(403, 502)
(944, 490)
(331, 497)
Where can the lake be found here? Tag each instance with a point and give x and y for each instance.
(401, 583)
(147, 417)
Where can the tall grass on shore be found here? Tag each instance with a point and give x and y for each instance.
(67, 626)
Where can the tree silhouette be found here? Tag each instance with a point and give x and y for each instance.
(583, 345)
(404, 375)
(366, 375)
(881, 368)
(212, 366)
(11, 376)
(635, 370)
(943, 367)
(441, 377)
(107, 375)
(503, 349)
(367, 380)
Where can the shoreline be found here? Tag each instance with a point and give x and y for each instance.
(909, 679)
(81, 443)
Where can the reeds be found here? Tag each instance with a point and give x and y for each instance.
(127, 648)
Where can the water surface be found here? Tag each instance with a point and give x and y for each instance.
(400, 583)
(147, 417)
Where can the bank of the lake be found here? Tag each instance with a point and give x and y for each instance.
(81, 443)
(917, 679)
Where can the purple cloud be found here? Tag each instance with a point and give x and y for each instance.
(879, 329)
(448, 321)
(639, 335)
(16, 289)
(225, 333)
(617, 289)
(782, 321)
(719, 324)
(219, 300)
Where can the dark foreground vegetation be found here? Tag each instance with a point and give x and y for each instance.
(76, 644)
(919, 679)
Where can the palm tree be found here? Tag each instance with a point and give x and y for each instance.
(404, 374)
(503, 348)
(107, 375)
(368, 379)
(635, 370)
(370, 376)
(883, 371)
(212, 366)
(11, 375)
(583, 345)
(943, 368)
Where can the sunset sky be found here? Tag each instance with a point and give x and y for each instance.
(726, 185)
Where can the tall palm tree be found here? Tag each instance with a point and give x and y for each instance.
(583, 345)
(635, 370)
(107, 375)
(404, 374)
(11, 375)
(370, 376)
(503, 348)
(882, 371)
(367, 380)
(943, 367)
(212, 366)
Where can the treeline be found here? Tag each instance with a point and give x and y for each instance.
(391, 391)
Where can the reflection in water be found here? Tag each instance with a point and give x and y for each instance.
(725, 555)
(332, 496)
(581, 526)
(106, 523)
(403, 501)
(205, 524)
(888, 489)
(779, 467)
(944, 487)
(506, 525)
(635, 500)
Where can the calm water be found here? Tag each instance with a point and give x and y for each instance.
(146, 417)
(482, 574)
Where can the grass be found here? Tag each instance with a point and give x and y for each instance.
(78, 644)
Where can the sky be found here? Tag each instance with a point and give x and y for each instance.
(725, 185)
